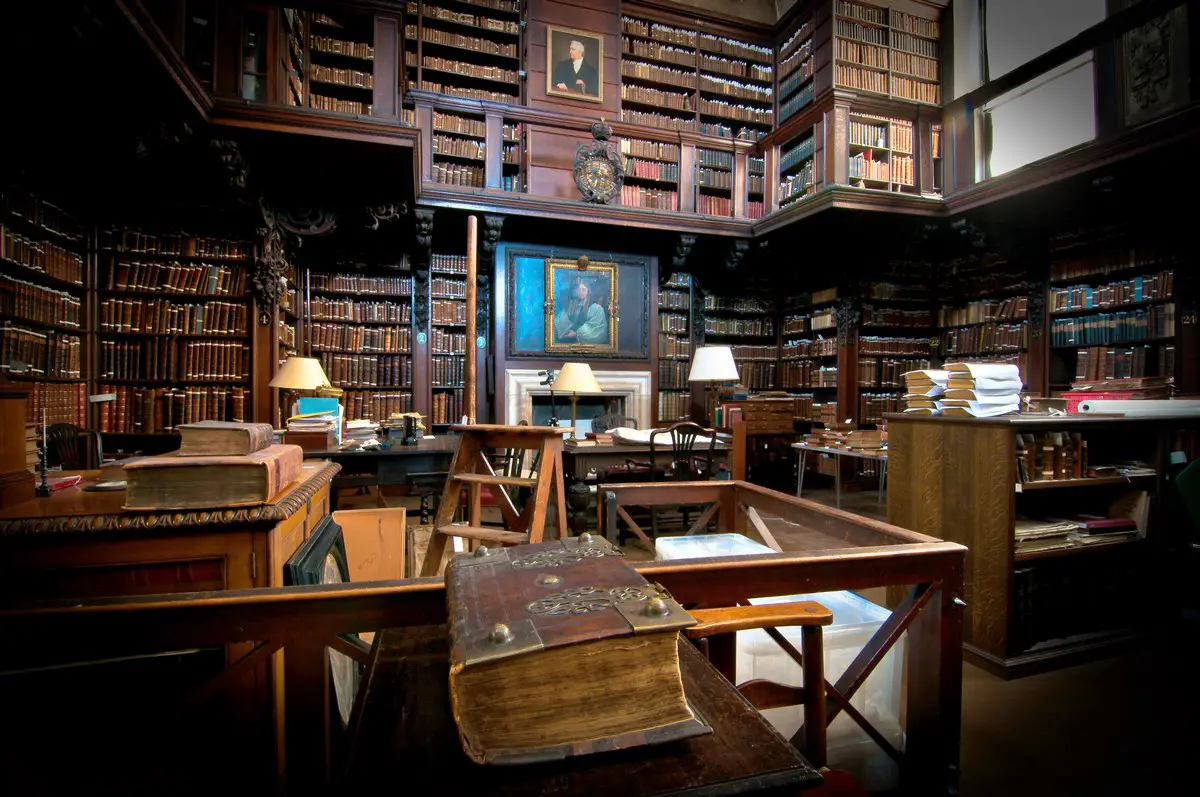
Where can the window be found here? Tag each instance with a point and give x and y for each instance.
(1020, 30)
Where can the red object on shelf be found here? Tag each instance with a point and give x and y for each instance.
(1075, 397)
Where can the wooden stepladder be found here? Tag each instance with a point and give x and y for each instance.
(471, 469)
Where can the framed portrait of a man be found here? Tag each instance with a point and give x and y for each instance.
(581, 311)
(574, 64)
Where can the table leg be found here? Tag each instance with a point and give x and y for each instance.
(800, 477)
(837, 478)
(882, 478)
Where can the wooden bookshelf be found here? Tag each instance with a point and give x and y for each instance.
(713, 182)
(651, 174)
(887, 53)
(881, 153)
(448, 345)
(473, 50)
(674, 349)
(809, 351)
(984, 314)
(748, 326)
(756, 187)
(459, 149)
(514, 159)
(329, 61)
(796, 68)
(797, 168)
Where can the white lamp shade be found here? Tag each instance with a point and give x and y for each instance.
(300, 373)
(576, 378)
(713, 364)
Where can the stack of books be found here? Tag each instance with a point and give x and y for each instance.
(218, 465)
(362, 433)
(1132, 389)
(981, 390)
(922, 389)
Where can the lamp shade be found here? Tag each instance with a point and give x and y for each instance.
(576, 378)
(713, 364)
(300, 373)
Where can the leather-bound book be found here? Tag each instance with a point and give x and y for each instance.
(170, 481)
(223, 438)
(561, 649)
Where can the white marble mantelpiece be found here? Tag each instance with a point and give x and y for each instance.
(522, 384)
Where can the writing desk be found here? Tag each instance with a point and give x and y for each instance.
(390, 465)
(402, 731)
(879, 456)
(578, 461)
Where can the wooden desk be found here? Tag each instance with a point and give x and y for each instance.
(403, 732)
(578, 461)
(391, 465)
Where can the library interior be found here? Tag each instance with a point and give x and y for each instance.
(840, 356)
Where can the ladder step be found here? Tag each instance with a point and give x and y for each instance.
(483, 533)
(502, 481)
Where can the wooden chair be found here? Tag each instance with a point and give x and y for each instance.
(715, 635)
(73, 448)
(603, 423)
(678, 460)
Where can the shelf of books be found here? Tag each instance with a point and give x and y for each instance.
(809, 351)
(466, 48)
(935, 154)
(360, 329)
(447, 336)
(172, 330)
(651, 174)
(886, 52)
(747, 326)
(674, 348)
(880, 151)
(796, 68)
(986, 320)
(287, 324)
(797, 169)
(1112, 311)
(329, 61)
(756, 187)
(681, 79)
(714, 182)
(459, 149)
(42, 313)
(514, 162)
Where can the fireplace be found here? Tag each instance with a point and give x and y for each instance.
(632, 387)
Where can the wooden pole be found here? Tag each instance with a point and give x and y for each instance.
(469, 360)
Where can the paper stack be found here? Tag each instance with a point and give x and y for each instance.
(362, 433)
(981, 390)
(922, 390)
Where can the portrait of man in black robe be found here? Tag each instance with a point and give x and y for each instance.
(575, 65)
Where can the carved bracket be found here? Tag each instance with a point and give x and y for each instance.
(697, 313)
(308, 221)
(1037, 309)
(493, 226)
(683, 248)
(231, 159)
(386, 212)
(270, 264)
(737, 253)
(848, 314)
(422, 251)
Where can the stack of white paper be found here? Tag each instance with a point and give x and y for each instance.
(981, 390)
(921, 390)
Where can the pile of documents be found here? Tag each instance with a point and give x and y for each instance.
(363, 433)
(922, 389)
(981, 390)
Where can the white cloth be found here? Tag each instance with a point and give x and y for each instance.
(629, 436)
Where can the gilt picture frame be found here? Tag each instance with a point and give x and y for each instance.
(571, 78)
(582, 311)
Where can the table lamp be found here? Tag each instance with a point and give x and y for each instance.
(712, 364)
(575, 378)
(299, 374)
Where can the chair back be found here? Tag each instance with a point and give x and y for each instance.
(603, 423)
(72, 447)
(684, 464)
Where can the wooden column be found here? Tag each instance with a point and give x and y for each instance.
(469, 355)
(389, 65)
(687, 178)
(493, 164)
(741, 187)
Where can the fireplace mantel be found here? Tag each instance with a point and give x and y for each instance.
(522, 384)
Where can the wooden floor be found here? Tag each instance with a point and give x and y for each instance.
(1124, 726)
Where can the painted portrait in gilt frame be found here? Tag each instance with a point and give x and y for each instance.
(581, 306)
(574, 64)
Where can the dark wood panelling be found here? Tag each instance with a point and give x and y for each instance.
(599, 17)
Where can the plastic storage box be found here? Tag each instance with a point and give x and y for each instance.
(855, 620)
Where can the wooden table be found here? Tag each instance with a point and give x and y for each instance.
(879, 456)
(403, 732)
(392, 465)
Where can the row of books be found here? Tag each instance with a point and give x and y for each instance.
(355, 78)
(512, 154)
(807, 373)
(756, 375)
(742, 351)
(895, 317)
(36, 353)
(797, 39)
(1106, 259)
(799, 349)
(354, 283)
(639, 70)
(714, 205)
(654, 170)
(175, 278)
(1051, 456)
(672, 322)
(735, 68)
(174, 244)
(323, 103)
(798, 184)
(169, 360)
(674, 347)
(985, 339)
(660, 52)
(866, 166)
(457, 174)
(895, 292)
(794, 103)
(913, 64)
(861, 79)
(873, 372)
(448, 311)
(744, 113)
(658, 120)
(756, 327)
(868, 134)
(447, 371)
(37, 304)
(1011, 309)
(871, 344)
(1143, 288)
(673, 374)
(39, 213)
(486, 71)
(328, 44)
(468, 92)
(866, 13)
(674, 406)
(738, 49)
(911, 44)
(638, 196)
(156, 410)
(344, 337)
(731, 87)
(674, 300)
(726, 304)
(165, 316)
(862, 53)
(43, 256)
(823, 319)
(367, 370)
(639, 148)
(796, 69)
(448, 288)
(715, 178)
(873, 406)
(447, 406)
(376, 405)
(1100, 363)
(462, 125)
(458, 147)
(662, 99)
(1129, 325)
(487, 23)
(476, 43)
(658, 32)
(287, 335)
(449, 264)
(61, 403)
(325, 309)
(443, 342)
(756, 184)
(909, 89)
(904, 170)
